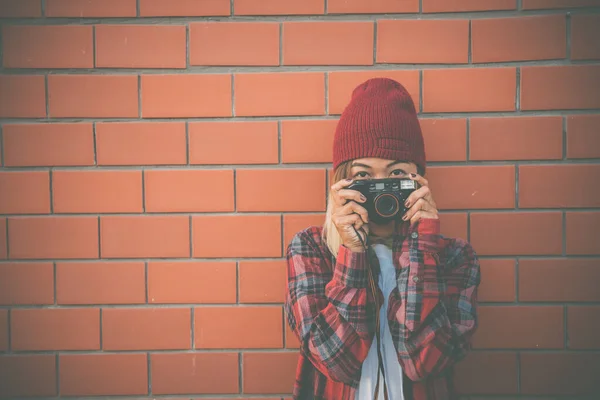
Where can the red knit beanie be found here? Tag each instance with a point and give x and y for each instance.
(380, 121)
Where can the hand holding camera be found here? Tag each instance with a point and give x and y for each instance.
(420, 203)
(348, 214)
(380, 201)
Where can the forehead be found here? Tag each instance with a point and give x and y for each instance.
(379, 163)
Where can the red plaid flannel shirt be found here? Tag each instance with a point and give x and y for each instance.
(432, 312)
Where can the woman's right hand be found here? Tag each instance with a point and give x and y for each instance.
(347, 215)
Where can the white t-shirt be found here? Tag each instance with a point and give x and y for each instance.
(393, 370)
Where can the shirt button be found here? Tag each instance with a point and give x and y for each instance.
(415, 279)
(414, 235)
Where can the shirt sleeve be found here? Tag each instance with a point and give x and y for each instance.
(330, 312)
(433, 310)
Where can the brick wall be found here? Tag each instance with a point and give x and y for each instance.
(157, 156)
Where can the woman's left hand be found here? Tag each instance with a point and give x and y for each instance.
(420, 203)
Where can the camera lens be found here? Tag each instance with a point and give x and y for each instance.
(386, 205)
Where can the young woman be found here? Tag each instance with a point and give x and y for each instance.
(382, 311)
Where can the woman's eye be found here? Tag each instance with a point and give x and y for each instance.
(361, 174)
(398, 172)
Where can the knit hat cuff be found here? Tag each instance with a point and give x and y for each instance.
(386, 147)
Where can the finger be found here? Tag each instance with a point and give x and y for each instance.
(420, 180)
(347, 221)
(340, 184)
(349, 194)
(358, 224)
(420, 205)
(336, 188)
(422, 215)
(421, 193)
(353, 207)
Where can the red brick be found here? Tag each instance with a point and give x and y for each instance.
(539, 138)
(548, 4)
(293, 223)
(520, 327)
(56, 46)
(192, 95)
(144, 236)
(184, 8)
(262, 281)
(538, 186)
(55, 329)
(372, 6)
(583, 139)
(100, 283)
(3, 243)
(481, 89)
(565, 279)
(48, 144)
(430, 6)
(253, 235)
(454, 225)
(584, 31)
(281, 94)
(434, 41)
(560, 373)
(97, 191)
(307, 141)
(138, 46)
(472, 187)
(269, 372)
(141, 143)
(278, 7)
(583, 325)
(560, 87)
(238, 327)
(445, 139)
(239, 142)
(17, 373)
(26, 283)
(103, 374)
(189, 190)
(31, 101)
(3, 332)
(326, 43)
(342, 83)
(91, 8)
(195, 373)
(20, 9)
(100, 96)
(24, 192)
(487, 373)
(144, 329)
(305, 190)
(234, 43)
(517, 233)
(499, 282)
(519, 39)
(53, 237)
(191, 282)
(583, 233)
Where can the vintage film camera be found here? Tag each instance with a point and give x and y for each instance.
(385, 197)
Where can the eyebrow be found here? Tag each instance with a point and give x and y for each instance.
(355, 164)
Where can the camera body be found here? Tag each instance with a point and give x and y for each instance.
(385, 197)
